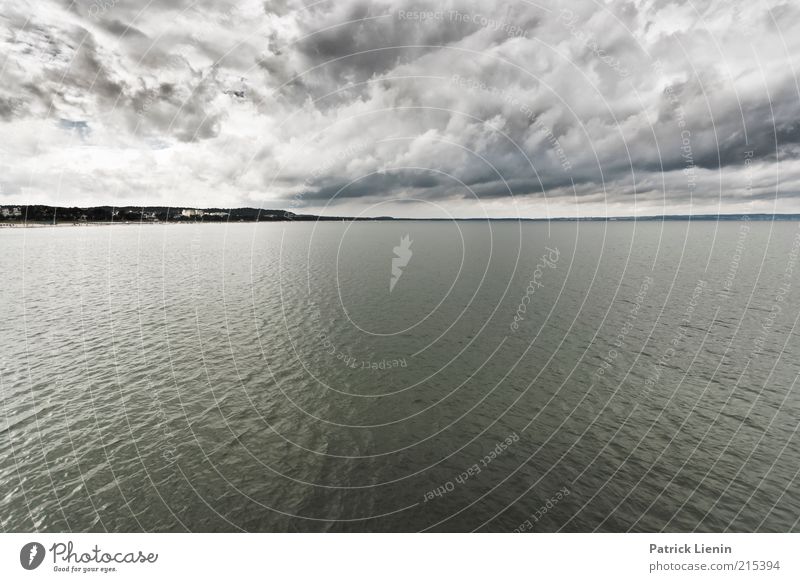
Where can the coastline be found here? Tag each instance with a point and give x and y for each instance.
(668, 218)
(14, 225)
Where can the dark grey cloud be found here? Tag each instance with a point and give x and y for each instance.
(121, 29)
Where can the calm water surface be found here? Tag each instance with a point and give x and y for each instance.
(263, 377)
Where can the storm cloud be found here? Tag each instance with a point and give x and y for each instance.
(483, 108)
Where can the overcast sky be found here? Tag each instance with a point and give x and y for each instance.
(405, 108)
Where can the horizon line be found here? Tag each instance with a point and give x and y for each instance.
(649, 217)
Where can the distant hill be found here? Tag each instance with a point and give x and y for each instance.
(58, 214)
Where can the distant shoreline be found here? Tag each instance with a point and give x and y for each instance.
(37, 216)
(10, 225)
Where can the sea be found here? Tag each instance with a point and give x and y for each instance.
(394, 376)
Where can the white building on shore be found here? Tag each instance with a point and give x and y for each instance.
(11, 212)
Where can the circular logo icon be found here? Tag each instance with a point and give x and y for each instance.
(31, 555)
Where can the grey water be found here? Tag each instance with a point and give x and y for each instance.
(573, 376)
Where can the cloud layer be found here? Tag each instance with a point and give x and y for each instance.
(467, 108)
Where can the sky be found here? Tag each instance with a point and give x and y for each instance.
(403, 108)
